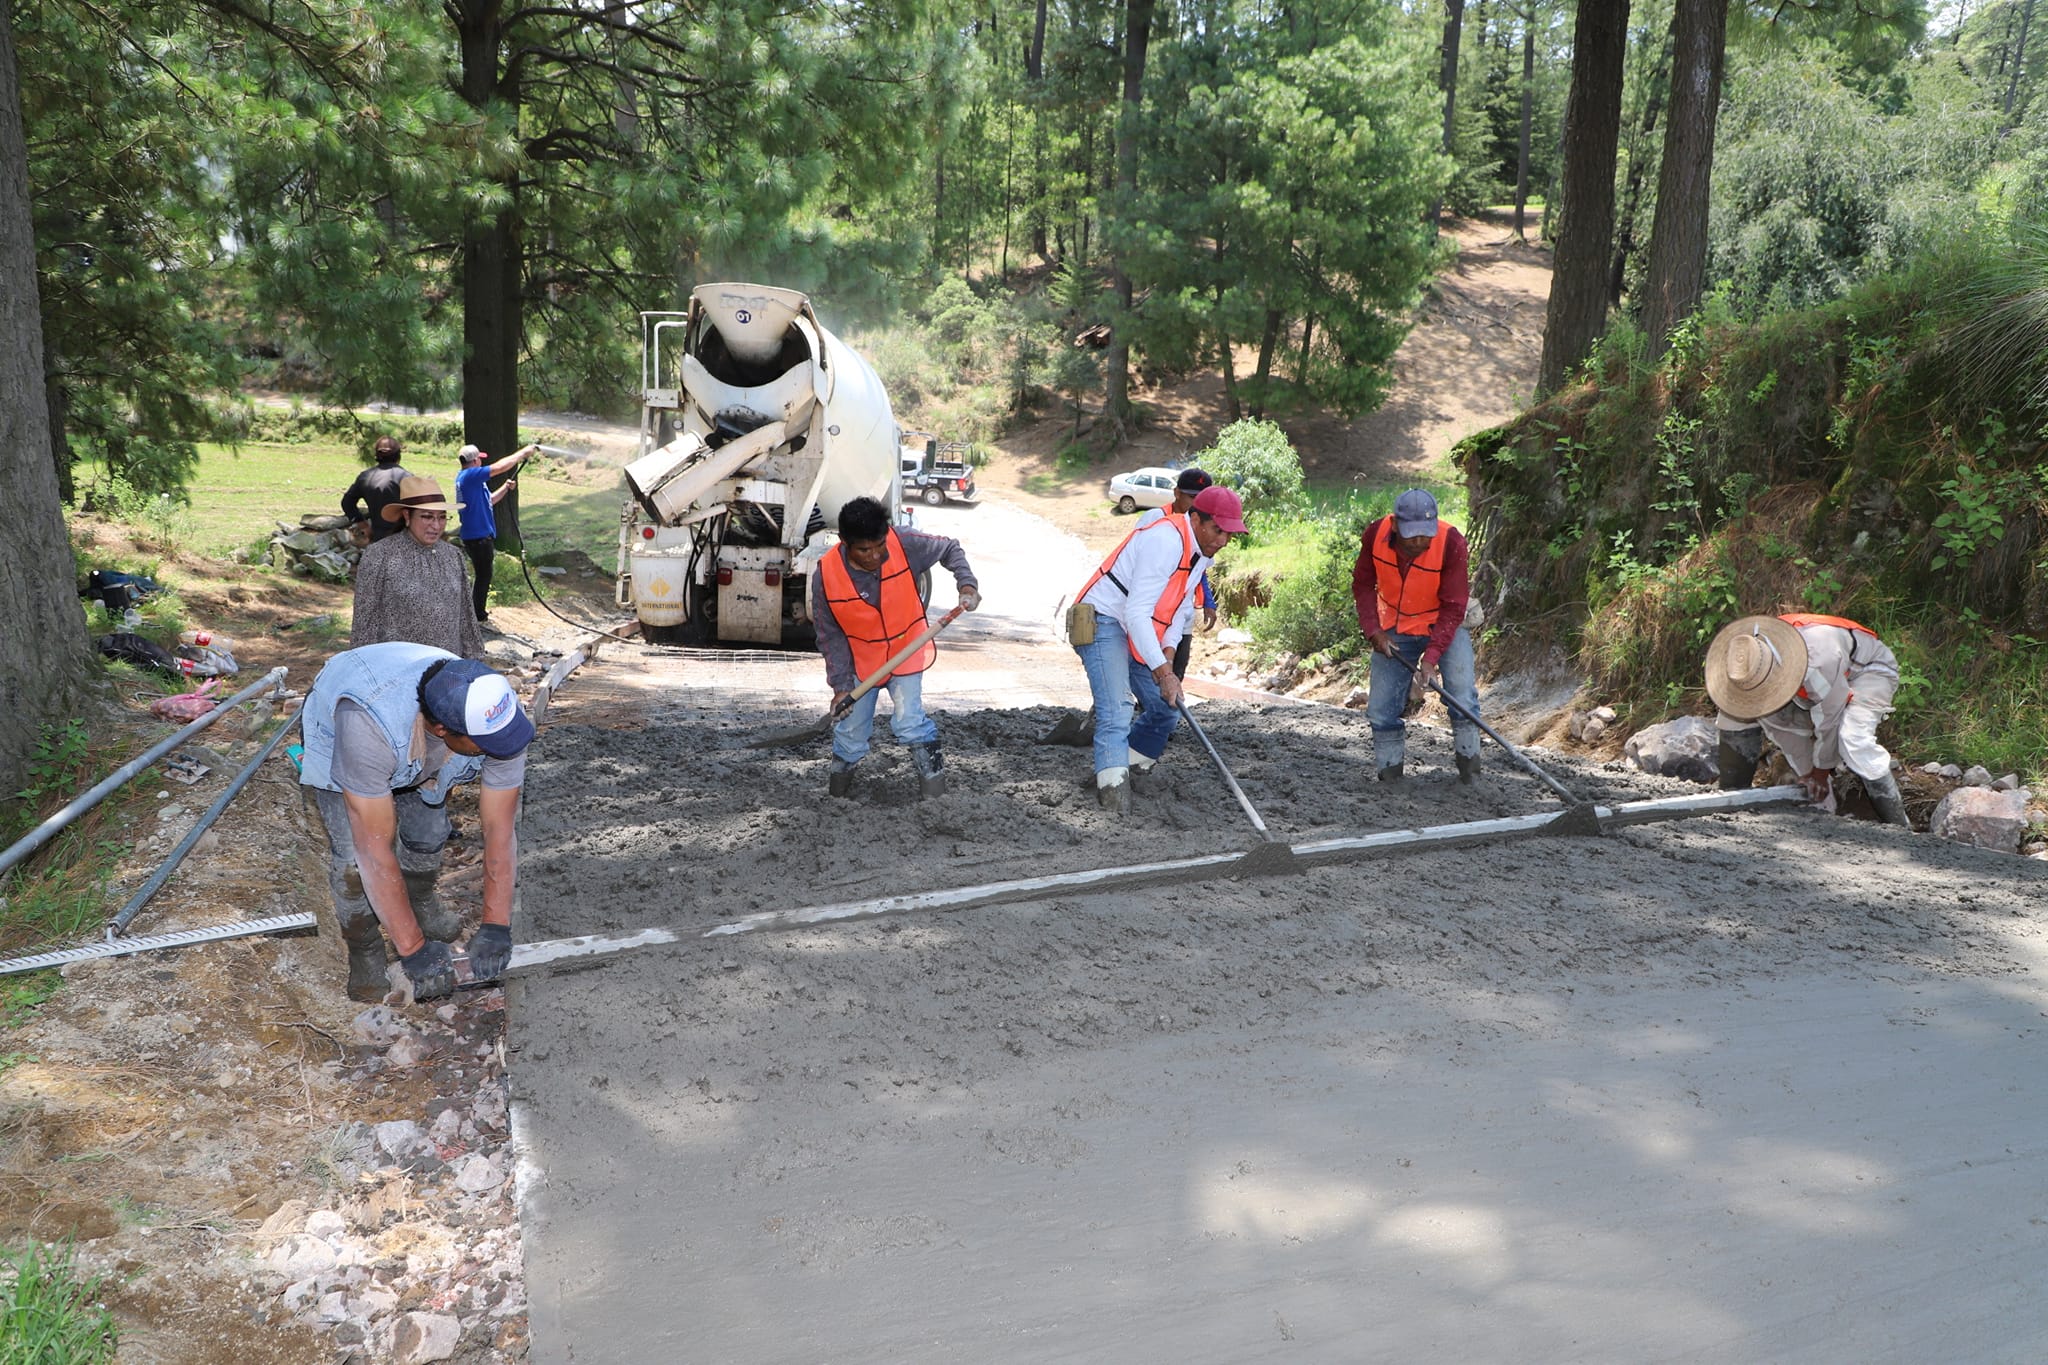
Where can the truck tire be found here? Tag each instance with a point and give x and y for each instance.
(1127, 504)
(934, 496)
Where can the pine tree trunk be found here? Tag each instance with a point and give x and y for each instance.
(1625, 236)
(1447, 81)
(1677, 268)
(493, 284)
(1117, 370)
(1528, 118)
(1577, 312)
(1034, 71)
(1269, 342)
(43, 651)
(2019, 61)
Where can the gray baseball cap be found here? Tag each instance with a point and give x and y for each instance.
(1415, 513)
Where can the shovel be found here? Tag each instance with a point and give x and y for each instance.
(822, 726)
(1271, 858)
(1580, 817)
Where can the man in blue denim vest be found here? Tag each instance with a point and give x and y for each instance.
(389, 730)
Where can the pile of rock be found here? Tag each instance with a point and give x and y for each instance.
(416, 1257)
(319, 547)
(1990, 812)
(1590, 727)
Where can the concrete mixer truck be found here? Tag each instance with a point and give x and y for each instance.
(756, 426)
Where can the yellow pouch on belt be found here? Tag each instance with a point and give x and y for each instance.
(1080, 624)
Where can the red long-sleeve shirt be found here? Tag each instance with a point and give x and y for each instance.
(1454, 589)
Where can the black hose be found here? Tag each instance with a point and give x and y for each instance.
(534, 588)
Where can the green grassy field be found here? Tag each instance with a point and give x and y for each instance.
(239, 494)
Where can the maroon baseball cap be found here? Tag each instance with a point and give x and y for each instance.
(1222, 506)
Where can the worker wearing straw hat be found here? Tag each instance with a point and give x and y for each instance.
(1818, 686)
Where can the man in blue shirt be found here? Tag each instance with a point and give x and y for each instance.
(474, 497)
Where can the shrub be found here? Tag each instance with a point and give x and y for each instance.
(1256, 459)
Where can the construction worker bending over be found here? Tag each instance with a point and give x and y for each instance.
(1411, 585)
(866, 606)
(1818, 686)
(389, 730)
(1125, 623)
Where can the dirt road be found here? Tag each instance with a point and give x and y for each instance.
(1736, 1088)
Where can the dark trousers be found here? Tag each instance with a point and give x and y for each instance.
(483, 557)
(1180, 656)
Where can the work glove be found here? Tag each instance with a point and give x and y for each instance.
(970, 599)
(431, 970)
(490, 949)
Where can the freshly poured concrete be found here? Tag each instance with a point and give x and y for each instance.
(1738, 1088)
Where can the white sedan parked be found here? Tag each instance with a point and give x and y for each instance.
(1152, 487)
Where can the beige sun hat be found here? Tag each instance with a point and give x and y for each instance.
(1755, 666)
(417, 494)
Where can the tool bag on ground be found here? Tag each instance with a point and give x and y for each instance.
(118, 591)
(134, 649)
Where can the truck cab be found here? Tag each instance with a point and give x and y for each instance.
(935, 472)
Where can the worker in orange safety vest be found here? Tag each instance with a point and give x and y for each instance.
(866, 606)
(1411, 587)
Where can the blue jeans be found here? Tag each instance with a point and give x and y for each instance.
(1114, 678)
(1388, 695)
(907, 720)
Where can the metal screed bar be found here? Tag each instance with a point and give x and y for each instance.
(145, 943)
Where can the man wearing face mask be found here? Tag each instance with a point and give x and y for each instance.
(1818, 686)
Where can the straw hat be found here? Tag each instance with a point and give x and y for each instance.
(1755, 666)
(417, 494)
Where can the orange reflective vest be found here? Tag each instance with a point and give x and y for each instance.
(1178, 586)
(876, 633)
(1408, 594)
(1803, 618)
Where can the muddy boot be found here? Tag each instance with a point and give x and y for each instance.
(436, 920)
(1113, 790)
(931, 769)
(1736, 756)
(368, 980)
(1391, 773)
(1884, 795)
(1468, 769)
(839, 778)
(1143, 776)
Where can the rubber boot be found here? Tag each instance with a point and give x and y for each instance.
(1141, 778)
(1391, 773)
(1885, 796)
(1113, 790)
(1468, 769)
(368, 980)
(1737, 755)
(931, 769)
(839, 778)
(436, 920)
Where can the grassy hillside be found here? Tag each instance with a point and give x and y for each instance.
(1867, 459)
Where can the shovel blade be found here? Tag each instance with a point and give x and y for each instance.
(1583, 818)
(1269, 859)
(790, 739)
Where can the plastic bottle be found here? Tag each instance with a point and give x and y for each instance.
(206, 639)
